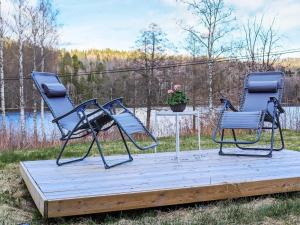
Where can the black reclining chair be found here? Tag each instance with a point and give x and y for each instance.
(77, 122)
(259, 107)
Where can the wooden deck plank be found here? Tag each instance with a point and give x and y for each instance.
(167, 168)
(90, 182)
(148, 167)
(154, 159)
(166, 177)
(168, 184)
(156, 180)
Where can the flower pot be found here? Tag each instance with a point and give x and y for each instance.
(178, 107)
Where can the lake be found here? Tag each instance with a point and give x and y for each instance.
(290, 120)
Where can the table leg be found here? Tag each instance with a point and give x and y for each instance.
(199, 130)
(155, 129)
(177, 138)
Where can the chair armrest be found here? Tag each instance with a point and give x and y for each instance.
(109, 105)
(277, 104)
(115, 101)
(79, 107)
(228, 104)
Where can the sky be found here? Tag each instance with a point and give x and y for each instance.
(112, 23)
(117, 23)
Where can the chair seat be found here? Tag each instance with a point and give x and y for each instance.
(129, 123)
(241, 120)
(97, 122)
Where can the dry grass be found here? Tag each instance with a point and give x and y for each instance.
(14, 198)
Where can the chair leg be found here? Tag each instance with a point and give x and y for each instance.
(281, 135)
(100, 149)
(221, 144)
(272, 138)
(95, 139)
(128, 152)
(95, 136)
(125, 143)
(239, 154)
(74, 160)
(247, 148)
(263, 149)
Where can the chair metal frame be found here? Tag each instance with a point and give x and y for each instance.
(90, 129)
(266, 116)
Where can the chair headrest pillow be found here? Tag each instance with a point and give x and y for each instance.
(262, 86)
(54, 90)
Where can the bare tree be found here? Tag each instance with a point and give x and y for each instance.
(3, 113)
(151, 46)
(270, 42)
(214, 23)
(252, 32)
(47, 38)
(34, 19)
(19, 28)
(48, 28)
(259, 43)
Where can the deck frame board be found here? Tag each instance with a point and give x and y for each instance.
(197, 177)
(37, 195)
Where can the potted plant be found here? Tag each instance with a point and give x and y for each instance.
(177, 99)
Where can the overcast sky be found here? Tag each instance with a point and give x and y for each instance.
(116, 23)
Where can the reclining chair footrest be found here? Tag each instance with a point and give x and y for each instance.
(129, 123)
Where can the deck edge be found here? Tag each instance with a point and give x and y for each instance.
(101, 204)
(35, 192)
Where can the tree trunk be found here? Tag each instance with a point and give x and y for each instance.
(210, 88)
(148, 103)
(42, 101)
(21, 71)
(21, 90)
(194, 108)
(3, 113)
(194, 94)
(111, 90)
(35, 133)
(149, 83)
(148, 110)
(134, 95)
(43, 119)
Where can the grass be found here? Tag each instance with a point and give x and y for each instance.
(16, 205)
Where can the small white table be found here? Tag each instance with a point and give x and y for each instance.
(177, 127)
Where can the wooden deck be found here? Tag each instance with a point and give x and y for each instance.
(156, 180)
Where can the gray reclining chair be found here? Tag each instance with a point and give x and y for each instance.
(77, 122)
(259, 107)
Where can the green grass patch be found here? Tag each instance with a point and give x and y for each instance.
(292, 142)
(110, 148)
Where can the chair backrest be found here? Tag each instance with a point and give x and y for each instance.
(259, 87)
(57, 105)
